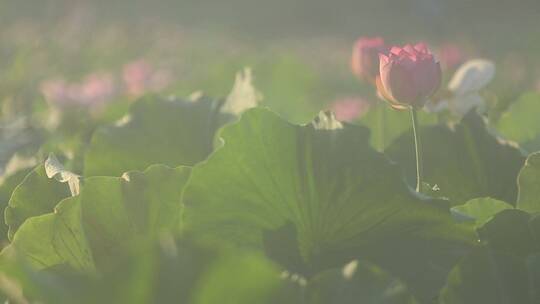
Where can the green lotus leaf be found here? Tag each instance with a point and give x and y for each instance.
(344, 199)
(156, 131)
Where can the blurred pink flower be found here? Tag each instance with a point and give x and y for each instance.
(93, 91)
(139, 77)
(450, 56)
(365, 57)
(96, 89)
(54, 90)
(349, 108)
(136, 75)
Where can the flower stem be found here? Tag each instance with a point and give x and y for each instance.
(381, 113)
(418, 150)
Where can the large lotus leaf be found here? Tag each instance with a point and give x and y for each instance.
(110, 212)
(281, 245)
(528, 183)
(35, 195)
(164, 271)
(118, 210)
(357, 283)
(387, 124)
(170, 132)
(343, 198)
(520, 122)
(53, 238)
(33, 243)
(464, 161)
(533, 266)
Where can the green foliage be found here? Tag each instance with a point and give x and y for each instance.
(170, 132)
(172, 206)
(8, 184)
(465, 161)
(274, 213)
(110, 212)
(487, 277)
(36, 195)
(528, 181)
(481, 210)
(512, 231)
(520, 122)
(344, 199)
(291, 88)
(505, 269)
(358, 283)
(168, 270)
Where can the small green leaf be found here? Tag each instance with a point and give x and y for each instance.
(482, 209)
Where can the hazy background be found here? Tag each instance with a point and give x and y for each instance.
(299, 49)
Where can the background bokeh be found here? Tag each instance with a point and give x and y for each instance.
(299, 50)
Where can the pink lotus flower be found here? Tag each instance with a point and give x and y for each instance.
(365, 57)
(409, 76)
(349, 108)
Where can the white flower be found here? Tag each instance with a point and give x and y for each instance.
(326, 120)
(464, 87)
(472, 76)
(243, 95)
(54, 169)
